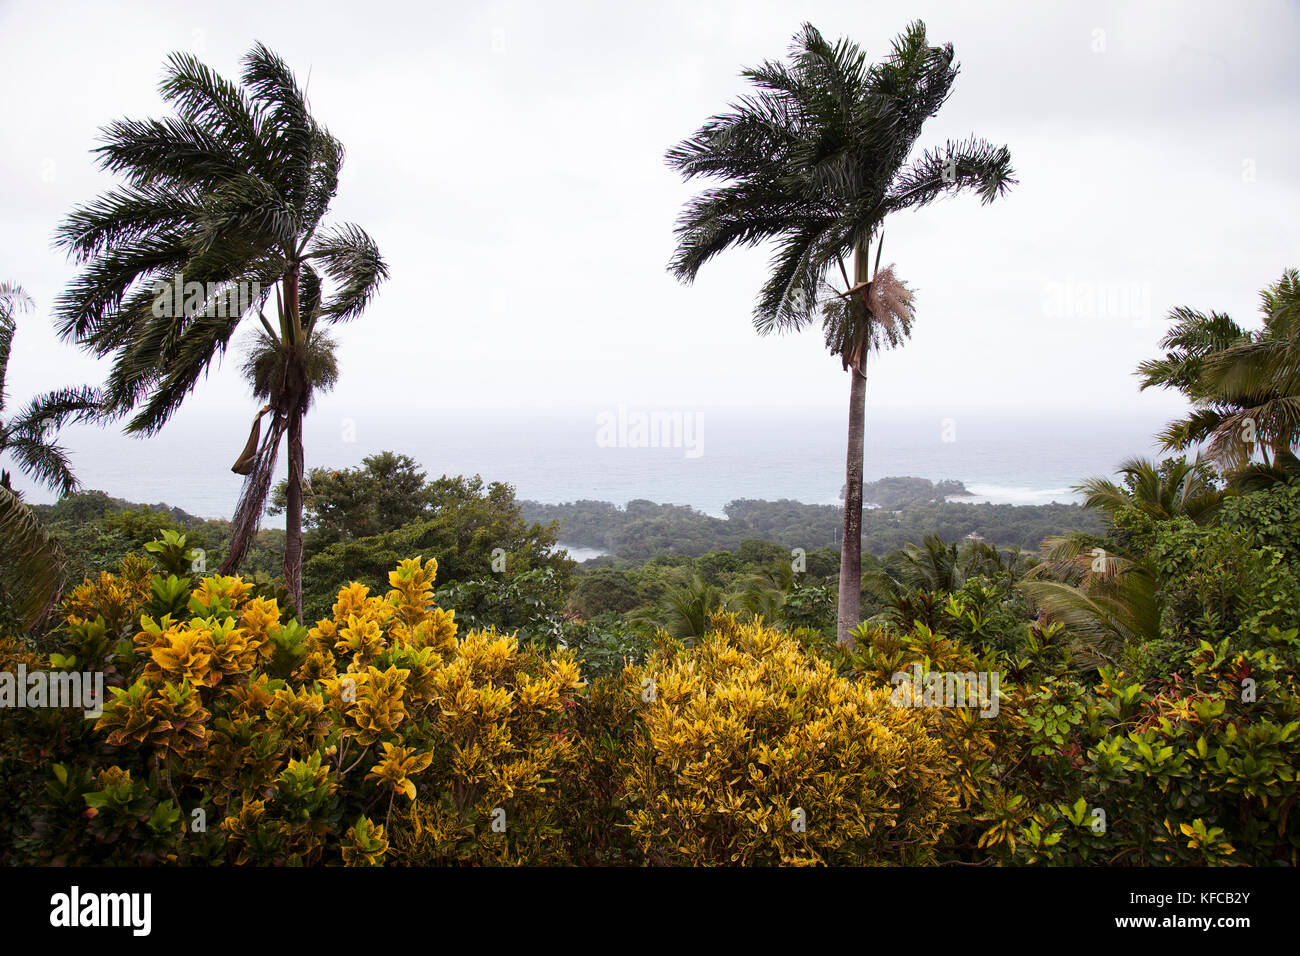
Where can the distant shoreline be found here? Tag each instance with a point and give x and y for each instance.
(955, 492)
(910, 509)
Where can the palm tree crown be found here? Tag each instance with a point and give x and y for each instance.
(817, 158)
(227, 197)
(1172, 489)
(1244, 385)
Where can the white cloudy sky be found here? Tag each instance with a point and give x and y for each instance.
(508, 157)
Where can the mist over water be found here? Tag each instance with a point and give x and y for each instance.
(555, 455)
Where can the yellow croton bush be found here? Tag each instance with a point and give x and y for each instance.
(378, 735)
(754, 751)
(381, 735)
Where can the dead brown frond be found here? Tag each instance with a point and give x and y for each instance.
(252, 497)
(889, 301)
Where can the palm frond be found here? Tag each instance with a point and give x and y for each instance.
(1284, 470)
(52, 410)
(277, 97)
(44, 462)
(204, 341)
(349, 257)
(972, 164)
(1174, 488)
(168, 152)
(1193, 336)
(1074, 559)
(1244, 386)
(1101, 623)
(13, 299)
(27, 437)
(31, 562)
(204, 97)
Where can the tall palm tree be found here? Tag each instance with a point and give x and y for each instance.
(1244, 386)
(229, 193)
(32, 563)
(816, 159)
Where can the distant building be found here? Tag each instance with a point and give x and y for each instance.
(975, 536)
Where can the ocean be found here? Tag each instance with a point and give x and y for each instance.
(702, 458)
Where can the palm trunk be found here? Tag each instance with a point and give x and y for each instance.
(293, 512)
(293, 495)
(850, 604)
(851, 547)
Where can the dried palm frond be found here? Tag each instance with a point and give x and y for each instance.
(244, 463)
(869, 317)
(889, 302)
(252, 497)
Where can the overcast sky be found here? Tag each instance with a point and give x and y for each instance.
(508, 159)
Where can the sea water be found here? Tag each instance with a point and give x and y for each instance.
(563, 455)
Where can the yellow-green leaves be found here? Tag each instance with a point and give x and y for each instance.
(396, 768)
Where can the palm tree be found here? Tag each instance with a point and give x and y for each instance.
(1007, 565)
(1244, 386)
(1105, 600)
(1172, 489)
(33, 564)
(934, 566)
(1108, 597)
(763, 593)
(226, 197)
(816, 159)
(685, 610)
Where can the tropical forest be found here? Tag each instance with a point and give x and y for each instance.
(378, 655)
